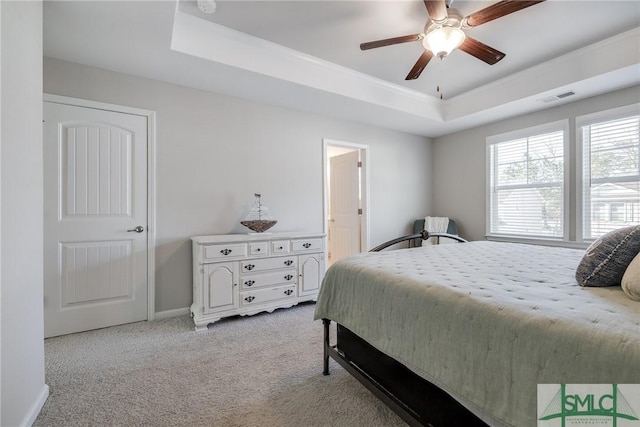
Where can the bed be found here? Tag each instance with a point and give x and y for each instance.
(453, 335)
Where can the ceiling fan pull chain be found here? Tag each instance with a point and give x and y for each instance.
(438, 79)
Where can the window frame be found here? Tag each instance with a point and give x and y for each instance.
(618, 113)
(556, 126)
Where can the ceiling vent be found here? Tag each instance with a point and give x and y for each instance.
(556, 97)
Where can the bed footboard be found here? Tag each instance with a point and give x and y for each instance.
(414, 399)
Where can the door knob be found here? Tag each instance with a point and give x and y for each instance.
(138, 229)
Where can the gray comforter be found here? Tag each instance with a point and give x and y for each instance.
(487, 321)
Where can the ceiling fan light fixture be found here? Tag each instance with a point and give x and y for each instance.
(442, 40)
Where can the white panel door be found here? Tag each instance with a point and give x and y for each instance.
(344, 202)
(95, 219)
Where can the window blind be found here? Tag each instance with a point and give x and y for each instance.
(527, 186)
(611, 175)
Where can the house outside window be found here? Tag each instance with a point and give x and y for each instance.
(527, 182)
(610, 178)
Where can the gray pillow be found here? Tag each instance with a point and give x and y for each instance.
(606, 260)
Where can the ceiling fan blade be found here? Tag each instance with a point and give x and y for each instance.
(391, 41)
(419, 65)
(437, 10)
(481, 51)
(497, 10)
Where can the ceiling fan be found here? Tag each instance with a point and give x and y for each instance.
(444, 32)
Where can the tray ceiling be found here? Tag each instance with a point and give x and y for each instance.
(305, 55)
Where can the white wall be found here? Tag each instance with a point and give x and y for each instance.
(22, 348)
(214, 152)
(459, 159)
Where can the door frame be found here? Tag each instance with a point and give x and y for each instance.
(151, 181)
(364, 158)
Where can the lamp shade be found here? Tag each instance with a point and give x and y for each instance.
(441, 41)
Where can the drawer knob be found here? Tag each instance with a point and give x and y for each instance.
(249, 298)
(288, 262)
(225, 251)
(288, 277)
(307, 245)
(288, 292)
(280, 248)
(257, 249)
(249, 266)
(249, 282)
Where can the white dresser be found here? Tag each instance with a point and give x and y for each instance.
(248, 273)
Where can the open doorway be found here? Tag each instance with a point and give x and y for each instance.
(345, 198)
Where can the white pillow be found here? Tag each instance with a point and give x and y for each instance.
(631, 279)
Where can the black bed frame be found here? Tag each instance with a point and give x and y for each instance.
(414, 399)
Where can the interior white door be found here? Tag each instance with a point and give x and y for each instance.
(95, 219)
(344, 205)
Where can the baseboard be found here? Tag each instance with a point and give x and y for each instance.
(35, 409)
(172, 313)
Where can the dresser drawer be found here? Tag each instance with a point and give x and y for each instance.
(219, 252)
(280, 277)
(264, 295)
(258, 248)
(280, 247)
(256, 265)
(306, 245)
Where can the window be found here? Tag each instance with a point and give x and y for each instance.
(610, 180)
(527, 182)
(529, 191)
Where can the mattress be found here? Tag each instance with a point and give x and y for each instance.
(487, 321)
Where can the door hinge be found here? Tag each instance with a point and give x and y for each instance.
(359, 211)
(359, 164)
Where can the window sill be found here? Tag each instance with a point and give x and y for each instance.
(538, 241)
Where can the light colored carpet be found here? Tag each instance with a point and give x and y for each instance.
(264, 370)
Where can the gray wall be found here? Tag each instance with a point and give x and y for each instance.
(21, 314)
(459, 159)
(215, 151)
